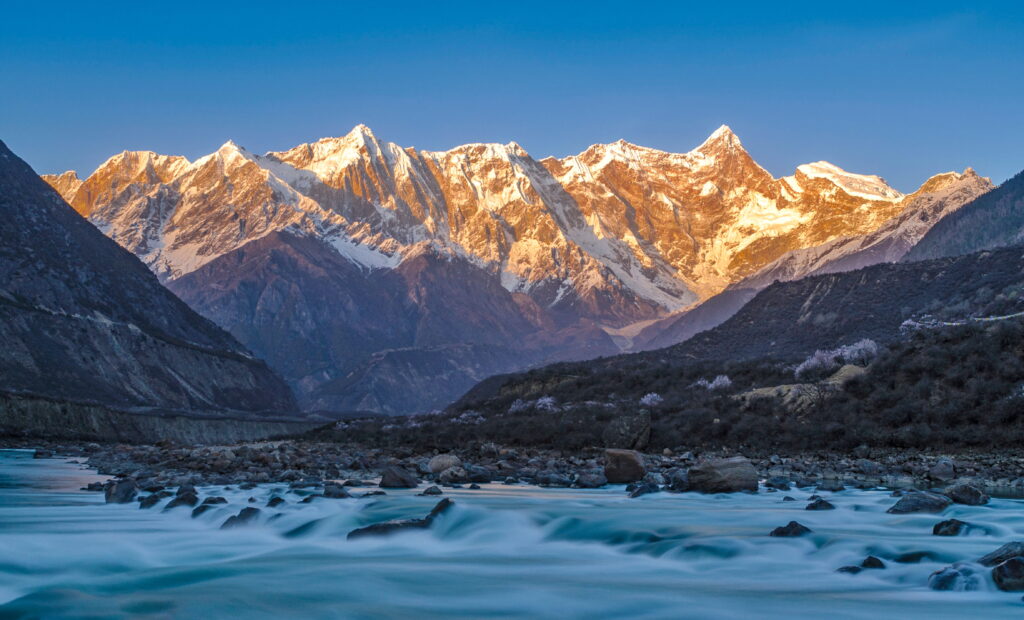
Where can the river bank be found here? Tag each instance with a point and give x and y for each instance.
(297, 461)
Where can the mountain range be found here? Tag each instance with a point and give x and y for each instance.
(87, 327)
(376, 277)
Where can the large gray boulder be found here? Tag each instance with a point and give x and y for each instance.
(622, 466)
(121, 492)
(966, 494)
(1009, 550)
(397, 478)
(920, 501)
(442, 462)
(723, 475)
(1009, 575)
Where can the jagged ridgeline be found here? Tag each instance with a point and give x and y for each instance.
(90, 335)
(391, 279)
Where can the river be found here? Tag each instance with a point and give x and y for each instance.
(501, 551)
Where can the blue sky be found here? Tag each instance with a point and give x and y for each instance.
(901, 91)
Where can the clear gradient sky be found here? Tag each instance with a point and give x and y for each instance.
(902, 90)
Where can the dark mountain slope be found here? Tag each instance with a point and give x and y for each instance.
(83, 320)
(400, 340)
(784, 324)
(993, 220)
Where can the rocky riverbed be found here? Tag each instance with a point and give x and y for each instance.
(315, 463)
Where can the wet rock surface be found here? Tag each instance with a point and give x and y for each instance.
(398, 525)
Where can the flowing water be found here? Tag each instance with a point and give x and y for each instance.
(502, 551)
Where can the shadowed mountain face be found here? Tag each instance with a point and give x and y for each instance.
(788, 321)
(378, 277)
(84, 321)
(396, 340)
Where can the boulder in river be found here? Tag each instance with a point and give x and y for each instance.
(398, 525)
(1009, 575)
(966, 494)
(1009, 550)
(189, 499)
(959, 577)
(121, 491)
(336, 491)
(949, 527)
(397, 478)
(920, 501)
(275, 502)
(432, 490)
(723, 475)
(244, 517)
(442, 462)
(623, 466)
(872, 562)
(820, 504)
(644, 488)
(678, 480)
(790, 530)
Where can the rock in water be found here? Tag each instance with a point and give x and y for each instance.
(442, 462)
(629, 432)
(958, 577)
(966, 494)
(644, 488)
(121, 492)
(920, 501)
(1009, 575)
(433, 490)
(790, 530)
(723, 476)
(820, 504)
(949, 527)
(622, 466)
(397, 525)
(1009, 550)
(185, 499)
(872, 562)
(398, 478)
(335, 491)
(246, 516)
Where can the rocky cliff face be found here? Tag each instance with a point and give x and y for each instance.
(478, 246)
(84, 321)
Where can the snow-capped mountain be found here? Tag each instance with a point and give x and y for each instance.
(617, 233)
(613, 236)
(940, 196)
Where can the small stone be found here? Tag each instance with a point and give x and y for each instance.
(820, 504)
(791, 529)
(872, 562)
(246, 516)
(275, 502)
(949, 527)
(958, 577)
(432, 490)
(644, 488)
